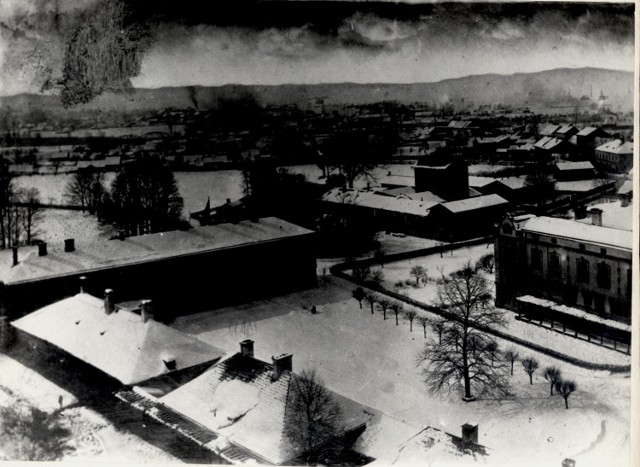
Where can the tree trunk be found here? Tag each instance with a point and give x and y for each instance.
(530, 378)
(566, 402)
(511, 368)
(425, 331)
(371, 308)
(360, 303)
(396, 319)
(410, 326)
(552, 389)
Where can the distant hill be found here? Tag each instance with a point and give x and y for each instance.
(558, 88)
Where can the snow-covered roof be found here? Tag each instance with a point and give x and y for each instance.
(568, 310)
(581, 165)
(614, 215)
(239, 401)
(478, 202)
(403, 190)
(616, 147)
(586, 131)
(425, 196)
(120, 343)
(548, 143)
(576, 186)
(549, 129)
(373, 200)
(626, 188)
(587, 233)
(109, 253)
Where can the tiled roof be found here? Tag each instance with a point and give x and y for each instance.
(566, 228)
(120, 344)
(470, 204)
(110, 253)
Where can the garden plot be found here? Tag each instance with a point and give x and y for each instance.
(373, 361)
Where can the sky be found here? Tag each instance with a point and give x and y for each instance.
(273, 42)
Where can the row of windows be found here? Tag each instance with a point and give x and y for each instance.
(603, 270)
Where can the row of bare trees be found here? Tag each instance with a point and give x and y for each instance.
(554, 376)
(20, 212)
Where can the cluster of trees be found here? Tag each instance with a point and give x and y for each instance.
(20, 212)
(143, 198)
(553, 375)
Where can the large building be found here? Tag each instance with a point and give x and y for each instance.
(615, 156)
(566, 270)
(182, 271)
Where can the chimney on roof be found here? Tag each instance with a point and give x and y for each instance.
(42, 249)
(280, 364)
(596, 216)
(624, 201)
(83, 279)
(469, 433)
(246, 348)
(15, 254)
(146, 310)
(580, 212)
(69, 245)
(109, 306)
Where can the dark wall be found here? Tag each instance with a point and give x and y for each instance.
(185, 284)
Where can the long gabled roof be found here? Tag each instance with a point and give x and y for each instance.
(119, 344)
(587, 233)
(470, 204)
(373, 200)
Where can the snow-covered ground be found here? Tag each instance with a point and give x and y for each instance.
(373, 361)
(93, 439)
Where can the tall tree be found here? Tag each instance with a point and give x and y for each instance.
(424, 322)
(511, 355)
(313, 418)
(371, 299)
(29, 199)
(359, 294)
(419, 273)
(462, 359)
(410, 315)
(385, 304)
(145, 199)
(397, 308)
(86, 189)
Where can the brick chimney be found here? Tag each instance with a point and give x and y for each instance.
(596, 216)
(246, 348)
(69, 245)
(469, 433)
(146, 310)
(15, 255)
(42, 249)
(109, 306)
(280, 364)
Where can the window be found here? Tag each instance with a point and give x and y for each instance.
(536, 259)
(554, 264)
(604, 275)
(582, 266)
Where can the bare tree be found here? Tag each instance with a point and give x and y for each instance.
(461, 359)
(359, 294)
(530, 365)
(361, 273)
(424, 322)
(553, 375)
(438, 326)
(384, 303)
(86, 189)
(33, 435)
(419, 273)
(511, 355)
(397, 308)
(565, 388)
(313, 417)
(491, 347)
(29, 198)
(377, 277)
(410, 315)
(371, 299)
(486, 263)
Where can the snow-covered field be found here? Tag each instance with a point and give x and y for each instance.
(373, 361)
(93, 438)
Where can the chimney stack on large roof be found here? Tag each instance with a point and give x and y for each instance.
(109, 306)
(146, 310)
(15, 254)
(246, 348)
(281, 363)
(42, 249)
(596, 216)
(69, 245)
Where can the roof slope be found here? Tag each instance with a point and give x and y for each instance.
(118, 344)
(373, 200)
(616, 147)
(566, 228)
(470, 204)
(238, 400)
(581, 165)
(110, 253)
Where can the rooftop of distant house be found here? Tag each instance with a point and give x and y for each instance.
(580, 165)
(617, 147)
(614, 215)
(120, 343)
(104, 253)
(476, 203)
(374, 200)
(582, 232)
